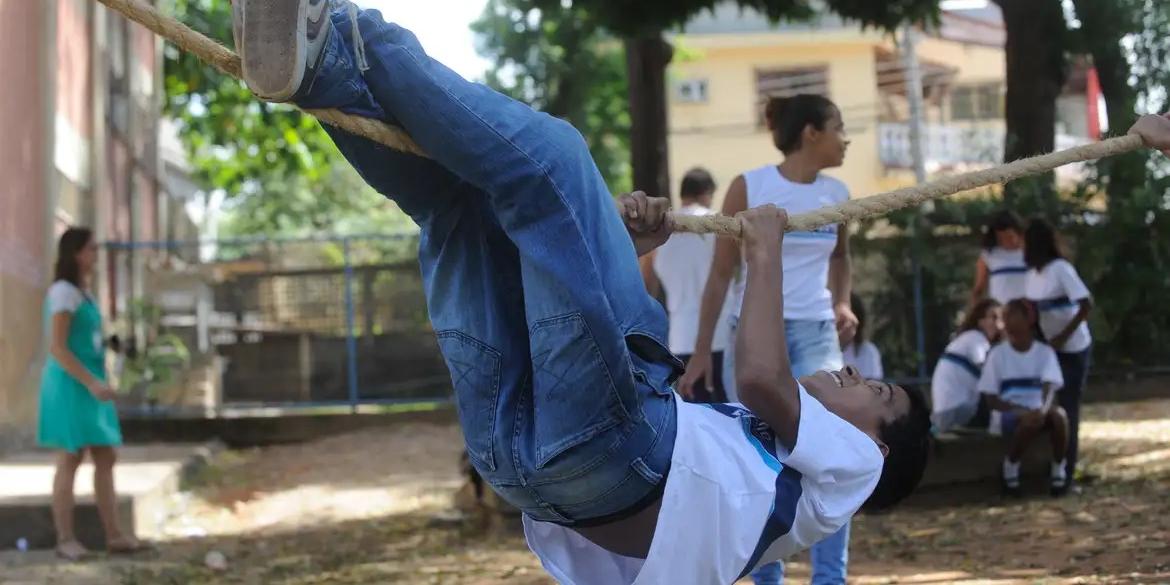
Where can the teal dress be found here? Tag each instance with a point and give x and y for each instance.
(70, 417)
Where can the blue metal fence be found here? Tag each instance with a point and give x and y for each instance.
(282, 322)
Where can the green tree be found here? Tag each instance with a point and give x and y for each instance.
(641, 26)
(279, 169)
(556, 58)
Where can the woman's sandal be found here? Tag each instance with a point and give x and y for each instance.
(72, 551)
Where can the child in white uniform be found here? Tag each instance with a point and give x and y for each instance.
(562, 384)
(755, 483)
(954, 396)
(1020, 379)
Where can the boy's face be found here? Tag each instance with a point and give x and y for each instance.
(865, 404)
(1017, 325)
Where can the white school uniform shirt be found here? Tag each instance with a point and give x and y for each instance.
(867, 359)
(1056, 290)
(1006, 273)
(682, 265)
(805, 254)
(957, 373)
(734, 499)
(1018, 377)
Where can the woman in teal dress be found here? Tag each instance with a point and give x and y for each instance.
(77, 413)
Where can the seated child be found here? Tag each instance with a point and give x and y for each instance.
(562, 380)
(1020, 379)
(955, 399)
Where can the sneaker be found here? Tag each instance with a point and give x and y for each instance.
(1011, 487)
(280, 43)
(1011, 478)
(1059, 480)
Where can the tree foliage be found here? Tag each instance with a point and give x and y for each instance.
(556, 58)
(636, 18)
(279, 169)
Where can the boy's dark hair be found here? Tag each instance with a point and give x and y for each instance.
(976, 314)
(697, 183)
(788, 117)
(1041, 245)
(908, 440)
(1000, 221)
(1020, 306)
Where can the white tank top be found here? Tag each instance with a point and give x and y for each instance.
(806, 254)
(1006, 273)
(682, 265)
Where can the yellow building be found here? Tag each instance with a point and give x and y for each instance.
(728, 62)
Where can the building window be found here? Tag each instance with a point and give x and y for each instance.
(780, 83)
(977, 102)
(691, 91)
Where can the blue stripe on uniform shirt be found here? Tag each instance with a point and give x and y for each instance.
(1009, 270)
(811, 235)
(962, 362)
(788, 487)
(1010, 384)
(1054, 303)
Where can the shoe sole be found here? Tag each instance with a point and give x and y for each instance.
(275, 47)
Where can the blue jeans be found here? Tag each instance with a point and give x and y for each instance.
(812, 346)
(1074, 368)
(560, 371)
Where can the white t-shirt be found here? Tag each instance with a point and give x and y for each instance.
(867, 359)
(805, 254)
(734, 499)
(64, 297)
(1019, 377)
(957, 373)
(1057, 289)
(1006, 273)
(682, 265)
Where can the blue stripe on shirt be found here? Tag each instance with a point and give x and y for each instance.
(1054, 303)
(811, 235)
(1021, 384)
(788, 486)
(962, 362)
(1010, 270)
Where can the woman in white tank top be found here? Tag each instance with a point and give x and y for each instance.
(1000, 271)
(809, 131)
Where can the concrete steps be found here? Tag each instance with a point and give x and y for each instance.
(145, 477)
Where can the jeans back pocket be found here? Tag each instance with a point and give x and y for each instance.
(475, 376)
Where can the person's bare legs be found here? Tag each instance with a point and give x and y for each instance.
(1026, 432)
(63, 504)
(106, 498)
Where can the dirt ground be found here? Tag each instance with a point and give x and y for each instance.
(373, 506)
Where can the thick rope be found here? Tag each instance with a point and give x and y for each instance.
(866, 207)
(883, 203)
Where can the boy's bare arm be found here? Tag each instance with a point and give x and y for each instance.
(763, 373)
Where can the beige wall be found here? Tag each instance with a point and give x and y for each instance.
(25, 164)
(722, 134)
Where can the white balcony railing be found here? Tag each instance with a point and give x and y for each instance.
(951, 146)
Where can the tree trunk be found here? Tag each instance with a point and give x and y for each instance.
(646, 61)
(1035, 76)
(1104, 23)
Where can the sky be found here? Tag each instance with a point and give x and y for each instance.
(442, 26)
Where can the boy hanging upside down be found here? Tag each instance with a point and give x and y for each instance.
(562, 380)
